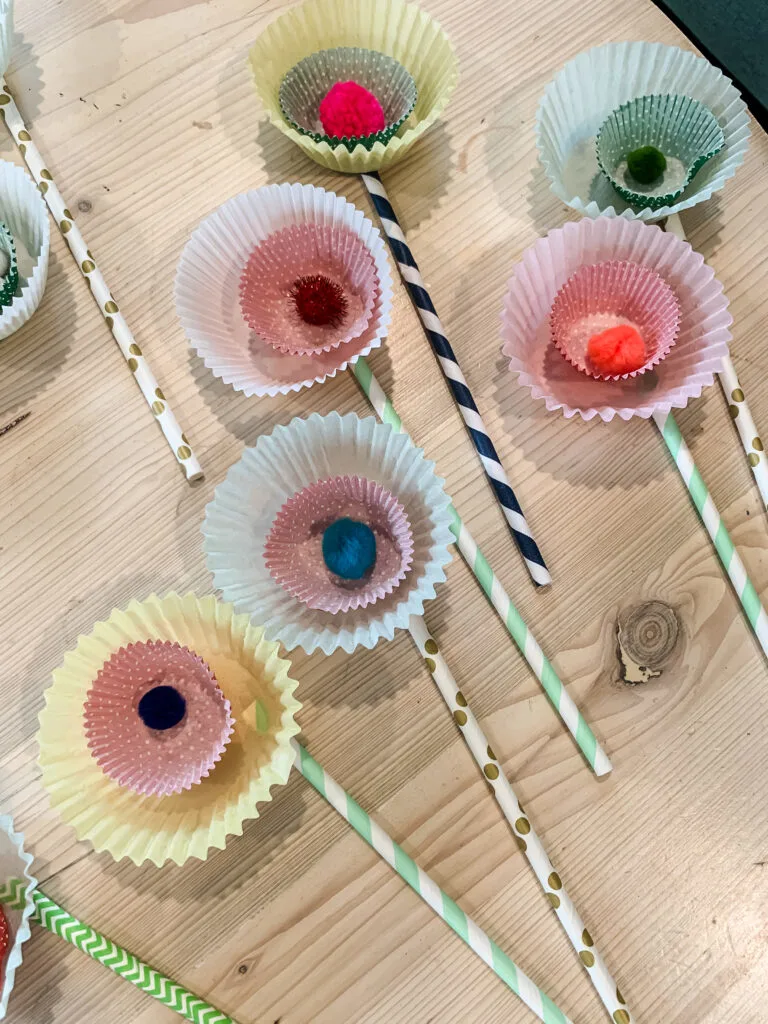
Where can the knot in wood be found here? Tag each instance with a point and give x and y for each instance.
(647, 635)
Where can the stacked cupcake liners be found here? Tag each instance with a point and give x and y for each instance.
(706, 123)
(168, 727)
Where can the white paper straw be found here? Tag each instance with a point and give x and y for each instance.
(102, 296)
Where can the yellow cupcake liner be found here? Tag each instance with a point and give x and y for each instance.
(254, 679)
(398, 29)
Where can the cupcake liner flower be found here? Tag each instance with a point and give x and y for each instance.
(651, 148)
(156, 719)
(17, 886)
(282, 287)
(300, 475)
(25, 217)
(690, 364)
(255, 683)
(392, 49)
(599, 84)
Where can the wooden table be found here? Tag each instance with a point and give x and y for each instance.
(148, 118)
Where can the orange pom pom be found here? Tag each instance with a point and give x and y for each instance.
(617, 350)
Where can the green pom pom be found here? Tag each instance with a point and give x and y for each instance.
(646, 164)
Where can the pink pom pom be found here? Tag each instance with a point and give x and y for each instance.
(351, 111)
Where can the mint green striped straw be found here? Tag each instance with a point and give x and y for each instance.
(553, 686)
(442, 904)
(715, 527)
(59, 921)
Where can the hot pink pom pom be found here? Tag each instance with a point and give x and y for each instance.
(351, 111)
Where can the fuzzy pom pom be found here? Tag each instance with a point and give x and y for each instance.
(646, 164)
(5, 941)
(349, 548)
(319, 300)
(617, 350)
(349, 110)
(162, 707)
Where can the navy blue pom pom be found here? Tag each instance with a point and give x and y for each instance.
(349, 548)
(162, 707)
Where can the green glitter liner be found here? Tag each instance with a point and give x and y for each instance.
(10, 282)
(681, 127)
(306, 84)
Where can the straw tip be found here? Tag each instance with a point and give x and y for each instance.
(602, 765)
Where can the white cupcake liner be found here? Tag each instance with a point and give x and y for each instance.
(594, 84)
(690, 366)
(293, 549)
(14, 864)
(602, 295)
(208, 282)
(301, 251)
(24, 212)
(283, 463)
(151, 761)
(6, 34)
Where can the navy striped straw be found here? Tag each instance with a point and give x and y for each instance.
(434, 331)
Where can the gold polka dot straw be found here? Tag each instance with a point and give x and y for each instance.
(102, 296)
(525, 835)
(737, 402)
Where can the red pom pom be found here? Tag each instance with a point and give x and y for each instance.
(319, 300)
(618, 350)
(5, 940)
(350, 111)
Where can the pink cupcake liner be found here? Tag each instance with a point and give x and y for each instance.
(303, 250)
(156, 762)
(602, 295)
(703, 336)
(293, 548)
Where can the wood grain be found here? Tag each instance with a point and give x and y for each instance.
(148, 120)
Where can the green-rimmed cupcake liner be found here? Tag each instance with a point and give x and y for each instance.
(307, 83)
(686, 132)
(10, 282)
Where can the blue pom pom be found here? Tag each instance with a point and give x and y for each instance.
(162, 707)
(349, 548)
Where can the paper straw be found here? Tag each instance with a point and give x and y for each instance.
(59, 921)
(424, 886)
(551, 683)
(737, 402)
(521, 826)
(101, 294)
(715, 527)
(446, 358)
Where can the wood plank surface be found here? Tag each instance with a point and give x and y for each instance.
(147, 117)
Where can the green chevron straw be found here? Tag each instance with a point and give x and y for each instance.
(715, 527)
(430, 892)
(59, 921)
(561, 700)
